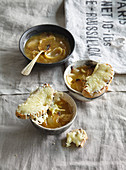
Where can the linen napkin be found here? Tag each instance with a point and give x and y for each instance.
(99, 29)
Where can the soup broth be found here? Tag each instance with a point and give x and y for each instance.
(55, 47)
(77, 78)
(58, 115)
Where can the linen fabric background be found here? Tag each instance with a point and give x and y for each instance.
(22, 146)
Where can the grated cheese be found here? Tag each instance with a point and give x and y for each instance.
(41, 119)
(101, 76)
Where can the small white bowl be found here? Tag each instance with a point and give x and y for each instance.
(56, 131)
(78, 95)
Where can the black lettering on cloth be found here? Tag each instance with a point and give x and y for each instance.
(122, 13)
(91, 28)
(122, 22)
(106, 8)
(121, 5)
(92, 23)
(92, 33)
(91, 41)
(108, 39)
(107, 26)
(91, 14)
(91, 2)
(92, 38)
(91, 45)
(106, 3)
(94, 50)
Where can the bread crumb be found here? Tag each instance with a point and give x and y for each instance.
(77, 136)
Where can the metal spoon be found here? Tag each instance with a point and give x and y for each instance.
(27, 70)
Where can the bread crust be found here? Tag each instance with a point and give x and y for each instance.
(95, 94)
(28, 116)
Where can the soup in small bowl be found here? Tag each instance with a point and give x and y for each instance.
(59, 116)
(49, 110)
(87, 79)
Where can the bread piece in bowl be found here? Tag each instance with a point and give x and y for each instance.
(37, 103)
(97, 83)
(77, 136)
(87, 79)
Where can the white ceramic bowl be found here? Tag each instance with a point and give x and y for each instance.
(56, 131)
(74, 93)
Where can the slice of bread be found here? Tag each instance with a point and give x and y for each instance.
(37, 103)
(77, 136)
(97, 83)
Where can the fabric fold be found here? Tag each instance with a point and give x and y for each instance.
(99, 31)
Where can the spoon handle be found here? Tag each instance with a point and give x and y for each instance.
(27, 70)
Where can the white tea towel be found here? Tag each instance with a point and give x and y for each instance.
(99, 29)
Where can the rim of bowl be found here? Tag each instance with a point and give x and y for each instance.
(35, 28)
(62, 127)
(68, 86)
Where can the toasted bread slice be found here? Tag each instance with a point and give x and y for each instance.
(97, 83)
(77, 136)
(37, 103)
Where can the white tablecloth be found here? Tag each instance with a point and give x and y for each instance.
(22, 146)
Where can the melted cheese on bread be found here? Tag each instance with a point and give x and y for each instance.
(37, 103)
(100, 78)
(77, 136)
